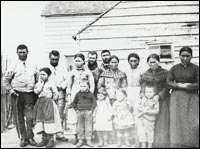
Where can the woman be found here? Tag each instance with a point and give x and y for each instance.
(134, 74)
(156, 75)
(75, 77)
(112, 79)
(183, 79)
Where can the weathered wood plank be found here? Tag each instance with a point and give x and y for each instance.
(153, 4)
(149, 19)
(135, 33)
(153, 10)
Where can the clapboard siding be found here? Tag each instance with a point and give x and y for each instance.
(59, 32)
(131, 25)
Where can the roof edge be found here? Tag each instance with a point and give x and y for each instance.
(61, 15)
(83, 29)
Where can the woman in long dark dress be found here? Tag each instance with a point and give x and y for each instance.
(183, 79)
(156, 75)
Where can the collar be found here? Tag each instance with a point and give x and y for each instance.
(82, 68)
(185, 65)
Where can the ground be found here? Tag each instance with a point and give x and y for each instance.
(9, 139)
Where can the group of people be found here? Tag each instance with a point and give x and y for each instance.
(151, 108)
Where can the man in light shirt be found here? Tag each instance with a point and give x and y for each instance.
(59, 77)
(20, 81)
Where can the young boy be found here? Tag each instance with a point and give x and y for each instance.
(147, 111)
(84, 103)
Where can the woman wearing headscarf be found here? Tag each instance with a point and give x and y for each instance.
(156, 75)
(183, 79)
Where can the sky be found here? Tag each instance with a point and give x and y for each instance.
(21, 23)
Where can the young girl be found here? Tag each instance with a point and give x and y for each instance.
(103, 114)
(147, 110)
(73, 86)
(46, 114)
(123, 118)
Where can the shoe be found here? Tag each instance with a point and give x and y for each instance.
(31, 142)
(79, 144)
(23, 142)
(75, 141)
(127, 142)
(50, 143)
(62, 139)
(44, 142)
(89, 143)
(105, 143)
(100, 143)
(119, 142)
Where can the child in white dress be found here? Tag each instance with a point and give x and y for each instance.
(123, 118)
(147, 110)
(102, 117)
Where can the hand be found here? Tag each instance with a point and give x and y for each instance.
(13, 93)
(156, 98)
(183, 85)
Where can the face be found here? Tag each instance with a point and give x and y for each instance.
(185, 57)
(149, 92)
(92, 58)
(153, 63)
(114, 64)
(54, 60)
(100, 97)
(78, 62)
(44, 76)
(83, 87)
(133, 62)
(119, 96)
(105, 57)
(22, 53)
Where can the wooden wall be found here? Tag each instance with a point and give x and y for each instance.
(131, 24)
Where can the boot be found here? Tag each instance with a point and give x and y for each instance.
(100, 141)
(89, 143)
(75, 140)
(127, 142)
(105, 140)
(80, 143)
(50, 142)
(119, 142)
(44, 140)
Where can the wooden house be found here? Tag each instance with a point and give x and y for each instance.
(64, 18)
(144, 27)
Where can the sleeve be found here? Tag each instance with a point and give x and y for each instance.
(38, 88)
(91, 81)
(164, 91)
(70, 82)
(94, 102)
(124, 82)
(75, 101)
(143, 85)
(101, 82)
(154, 110)
(7, 79)
(54, 91)
(194, 86)
(171, 84)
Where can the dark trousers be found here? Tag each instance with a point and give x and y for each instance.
(22, 107)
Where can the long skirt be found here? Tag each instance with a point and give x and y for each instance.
(184, 118)
(47, 117)
(161, 135)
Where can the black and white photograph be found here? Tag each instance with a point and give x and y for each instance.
(100, 74)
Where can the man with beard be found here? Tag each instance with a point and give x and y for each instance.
(20, 81)
(105, 55)
(93, 67)
(58, 76)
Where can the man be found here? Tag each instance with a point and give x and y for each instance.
(58, 76)
(93, 67)
(105, 55)
(20, 81)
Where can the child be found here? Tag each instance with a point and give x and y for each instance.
(84, 103)
(46, 114)
(123, 118)
(147, 110)
(103, 114)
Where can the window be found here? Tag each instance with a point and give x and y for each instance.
(164, 50)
